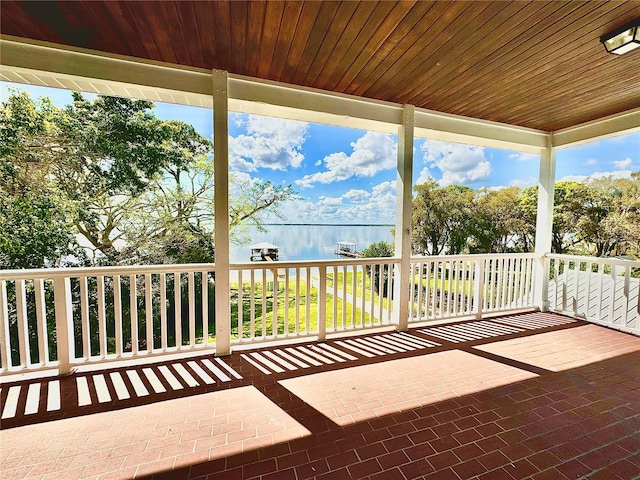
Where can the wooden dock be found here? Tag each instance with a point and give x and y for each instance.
(347, 249)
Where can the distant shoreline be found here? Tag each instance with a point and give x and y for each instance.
(330, 224)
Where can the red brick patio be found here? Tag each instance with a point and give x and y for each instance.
(534, 395)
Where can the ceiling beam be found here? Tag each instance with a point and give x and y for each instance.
(261, 97)
(454, 128)
(46, 64)
(619, 124)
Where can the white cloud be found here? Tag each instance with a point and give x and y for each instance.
(385, 189)
(357, 196)
(524, 157)
(269, 143)
(523, 182)
(617, 174)
(573, 178)
(372, 153)
(240, 181)
(459, 164)
(236, 118)
(424, 176)
(622, 164)
(330, 201)
(592, 161)
(354, 206)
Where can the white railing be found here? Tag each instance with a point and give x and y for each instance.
(60, 318)
(463, 285)
(67, 317)
(601, 290)
(295, 299)
(63, 317)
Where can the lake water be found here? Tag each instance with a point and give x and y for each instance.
(312, 242)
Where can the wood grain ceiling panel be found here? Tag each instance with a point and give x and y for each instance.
(23, 24)
(331, 39)
(533, 58)
(359, 43)
(404, 35)
(142, 42)
(371, 49)
(355, 25)
(321, 29)
(490, 55)
(187, 17)
(475, 49)
(538, 64)
(255, 23)
(307, 20)
(290, 17)
(432, 35)
(222, 28)
(123, 29)
(444, 47)
(566, 74)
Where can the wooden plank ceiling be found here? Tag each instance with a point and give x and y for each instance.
(537, 64)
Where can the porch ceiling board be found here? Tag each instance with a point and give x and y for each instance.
(533, 64)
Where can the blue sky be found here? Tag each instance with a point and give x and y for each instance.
(348, 176)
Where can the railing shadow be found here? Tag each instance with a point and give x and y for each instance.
(550, 417)
(88, 392)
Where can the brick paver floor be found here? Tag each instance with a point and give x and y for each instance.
(534, 395)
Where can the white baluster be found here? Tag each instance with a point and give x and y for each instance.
(64, 323)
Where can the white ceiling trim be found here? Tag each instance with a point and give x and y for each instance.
(620, 124)
(46, 64)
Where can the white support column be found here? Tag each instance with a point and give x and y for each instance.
(544, 223)
(64, 324)
(404, 196)
(221, 192)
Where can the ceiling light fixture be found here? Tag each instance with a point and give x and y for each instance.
(623, 39)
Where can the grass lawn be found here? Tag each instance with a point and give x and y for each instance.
(292, 314)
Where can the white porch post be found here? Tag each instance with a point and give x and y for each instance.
(221, 193)
(403, 219)
(544, 223)
(64, 324)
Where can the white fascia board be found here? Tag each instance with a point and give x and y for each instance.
(46, 64)
(274, 99)
(39, 63)
(612, 126)
(260, 97)
(455, 128)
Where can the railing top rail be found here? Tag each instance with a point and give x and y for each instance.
(599, 260)
(312, 263)
(42, 273)
(33, 273)
(475, 256)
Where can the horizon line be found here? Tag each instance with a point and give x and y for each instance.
(334, 224)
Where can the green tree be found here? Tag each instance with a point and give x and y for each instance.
(36, 218)
(591, 205)
(379, 273)
(174, 222)
(622, 223)
(96, 157)
(567, 208)
(528, 204)
(35, 230)
(378, 249)
(441, 218)
(498, 222)
(134, 188)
